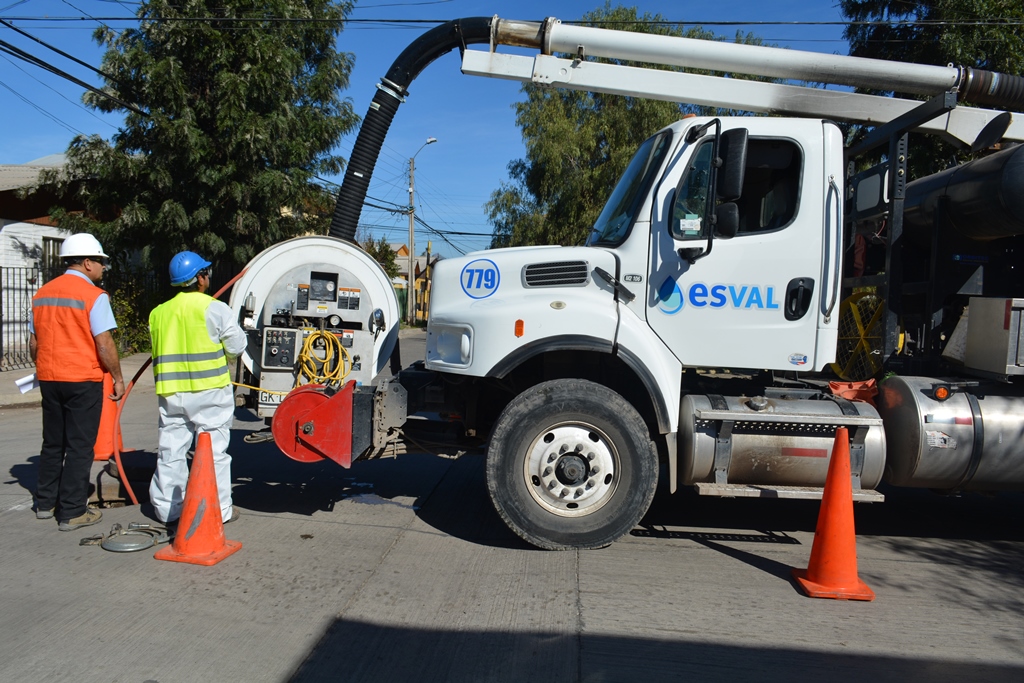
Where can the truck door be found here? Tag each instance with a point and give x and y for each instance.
(754, 301)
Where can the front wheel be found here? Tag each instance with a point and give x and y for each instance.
(570, 464)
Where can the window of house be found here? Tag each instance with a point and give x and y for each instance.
(50, 260)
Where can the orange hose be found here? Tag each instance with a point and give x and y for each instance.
(124, 399)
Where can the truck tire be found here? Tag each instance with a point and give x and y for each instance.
(570, 464)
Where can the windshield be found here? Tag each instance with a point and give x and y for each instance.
(618, 215)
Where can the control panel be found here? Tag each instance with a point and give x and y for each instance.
(280, 348)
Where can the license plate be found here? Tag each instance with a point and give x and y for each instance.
(273, 399)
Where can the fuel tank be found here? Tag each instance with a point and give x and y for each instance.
(966, 442)
(774, 441)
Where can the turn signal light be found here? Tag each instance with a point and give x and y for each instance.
(941, 392)
(519, 328)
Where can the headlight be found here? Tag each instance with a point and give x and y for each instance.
(450, 344)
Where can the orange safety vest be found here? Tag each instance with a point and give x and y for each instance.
(60, 315)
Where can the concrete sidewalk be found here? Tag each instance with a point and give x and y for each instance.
(11, 396)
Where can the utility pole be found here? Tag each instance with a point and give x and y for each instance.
(410, 298)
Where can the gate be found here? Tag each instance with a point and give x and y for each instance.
(17, 286)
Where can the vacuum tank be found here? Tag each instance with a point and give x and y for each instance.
(983, 199)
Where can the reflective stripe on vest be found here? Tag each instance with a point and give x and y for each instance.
(184, 357)
(59, 302)
(60, 316)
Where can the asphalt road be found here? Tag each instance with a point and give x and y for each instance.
(401, 571)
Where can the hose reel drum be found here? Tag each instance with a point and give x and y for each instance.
(316, 286)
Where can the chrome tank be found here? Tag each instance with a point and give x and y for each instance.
(951, 444)
(782, 442)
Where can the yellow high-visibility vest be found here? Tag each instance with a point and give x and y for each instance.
(184, 358)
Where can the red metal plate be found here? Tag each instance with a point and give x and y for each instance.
(309, 425)
(289, 416)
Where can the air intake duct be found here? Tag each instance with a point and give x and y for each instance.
(391, 92)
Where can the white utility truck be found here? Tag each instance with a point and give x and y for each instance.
(740, 264)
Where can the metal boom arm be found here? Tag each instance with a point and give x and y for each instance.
(962, 125)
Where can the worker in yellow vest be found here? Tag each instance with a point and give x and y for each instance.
(71, 343)
(194, 336)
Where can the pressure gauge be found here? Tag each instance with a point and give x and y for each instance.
(334, 320)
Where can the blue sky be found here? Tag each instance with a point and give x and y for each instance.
(471, 117)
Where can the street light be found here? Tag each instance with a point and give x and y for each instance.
(410, 298)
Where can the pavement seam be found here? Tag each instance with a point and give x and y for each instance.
(579, 622)
(24, 505)
(384, 556)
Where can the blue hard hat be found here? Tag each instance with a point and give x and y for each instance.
(185, 266)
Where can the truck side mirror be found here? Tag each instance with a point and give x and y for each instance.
(732, 150)
(727, 221)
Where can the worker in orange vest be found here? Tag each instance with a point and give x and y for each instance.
(71, 344)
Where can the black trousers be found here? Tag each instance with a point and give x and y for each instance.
(71, 420)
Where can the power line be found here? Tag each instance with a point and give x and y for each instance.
(71, 129)
(74, 59)
(60, 94)
(32, 59)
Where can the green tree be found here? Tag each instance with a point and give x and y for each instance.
(962, 32)
(578, 144)
(383, 254)
(242, 110)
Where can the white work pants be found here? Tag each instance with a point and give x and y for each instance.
(181, 416)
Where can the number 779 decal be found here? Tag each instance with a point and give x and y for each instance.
(480, 278)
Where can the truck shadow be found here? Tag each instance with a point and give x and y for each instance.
(451, 496)
(352, 650)
(448, 495)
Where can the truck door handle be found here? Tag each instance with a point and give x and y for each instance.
(798, 297)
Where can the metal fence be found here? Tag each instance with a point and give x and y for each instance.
(17, 285)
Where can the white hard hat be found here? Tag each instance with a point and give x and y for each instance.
(82, 244)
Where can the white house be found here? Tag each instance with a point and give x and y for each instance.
(27, 237)
(29, 243)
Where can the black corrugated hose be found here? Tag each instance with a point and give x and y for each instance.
(390, 93)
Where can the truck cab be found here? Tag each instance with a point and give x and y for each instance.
(675, 291)
(765, 295)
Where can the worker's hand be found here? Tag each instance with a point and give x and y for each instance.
(118, 390)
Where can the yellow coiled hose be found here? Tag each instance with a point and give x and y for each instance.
(324, 370)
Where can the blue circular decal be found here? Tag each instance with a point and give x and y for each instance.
(480, 278)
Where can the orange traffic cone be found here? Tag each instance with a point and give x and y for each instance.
(200, 537)
(832, 571)
(109, 432)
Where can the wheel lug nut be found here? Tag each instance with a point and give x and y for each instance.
(563, 449)
(551, 457)
(552, 484)
(590, 484)
(547, 472)
(563, 493)
(595, 469)
(579, 492)
(590, 456)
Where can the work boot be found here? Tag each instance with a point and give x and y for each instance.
(44, 514)
(88, 518)
(235, 514)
